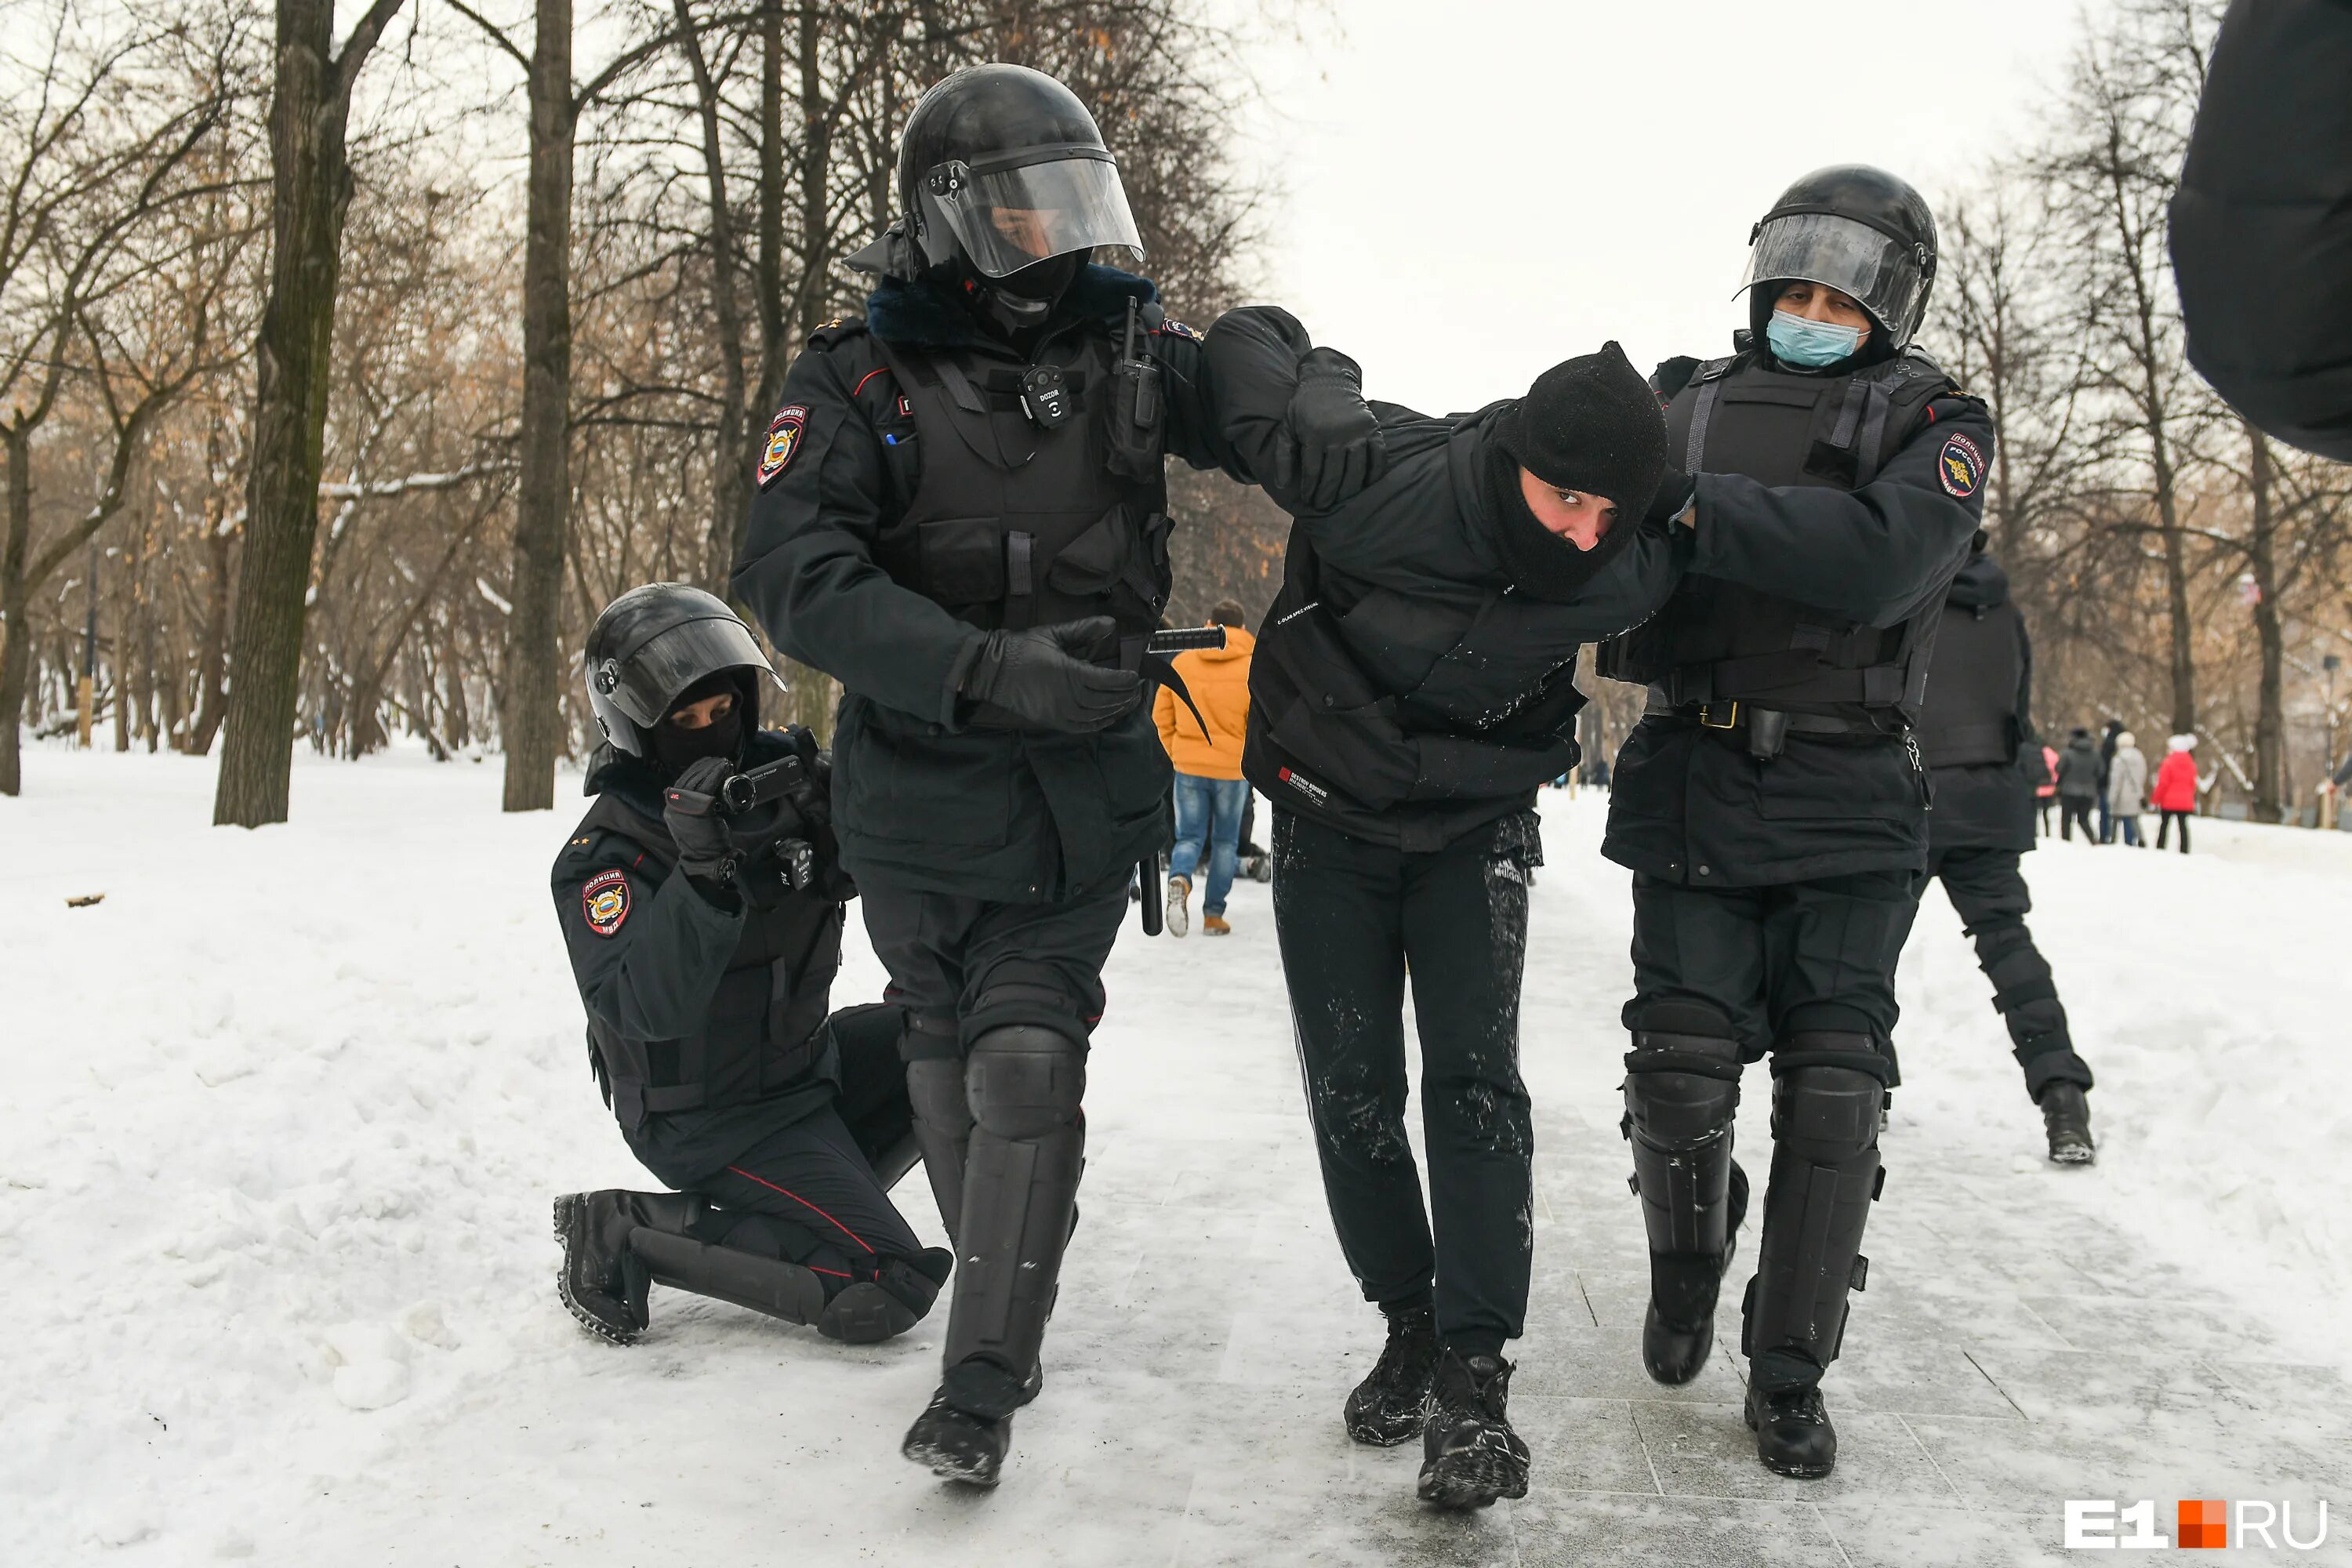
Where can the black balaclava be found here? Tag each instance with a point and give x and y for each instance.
(675, 749)
(1019, 304)
(1589, 424)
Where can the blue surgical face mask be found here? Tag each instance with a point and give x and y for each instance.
(1809, 344)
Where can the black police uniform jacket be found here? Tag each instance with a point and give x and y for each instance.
(905, 504)
(1401, 690)
(2262, 228)
(706, 1022)
(1832, 511)
(1976, 727)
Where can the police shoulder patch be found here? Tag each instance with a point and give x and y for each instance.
(604, 902)
(1176, 329)
(784, 441)
(1960, 466)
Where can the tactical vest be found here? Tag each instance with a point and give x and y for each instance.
(1015, 524)
(1716, 640)
(764, 1029)
(1970, 713)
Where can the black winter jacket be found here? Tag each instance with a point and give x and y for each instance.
(2261, 229)
(920, 800)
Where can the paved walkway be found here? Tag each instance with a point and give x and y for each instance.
(2011, 1351)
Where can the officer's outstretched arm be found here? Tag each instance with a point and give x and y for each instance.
(648, 955)
(1872, 554)
(808, 572)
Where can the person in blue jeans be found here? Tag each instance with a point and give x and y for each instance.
(1206, 751)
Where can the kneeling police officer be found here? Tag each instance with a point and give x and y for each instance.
(703, 911)
(1773, 804)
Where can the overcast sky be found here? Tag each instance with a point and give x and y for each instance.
(1477, 189)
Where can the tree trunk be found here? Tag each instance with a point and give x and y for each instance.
(15, 594)
(311, 186)
(534, 716)
(2270, 713)
(730, 493)
(212, 693)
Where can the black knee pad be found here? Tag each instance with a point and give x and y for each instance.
(1827, 1114)
(1682, 1077)
(1025, 1081)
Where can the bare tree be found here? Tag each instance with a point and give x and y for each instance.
(309, 115)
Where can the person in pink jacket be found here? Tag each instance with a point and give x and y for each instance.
(2175, 794)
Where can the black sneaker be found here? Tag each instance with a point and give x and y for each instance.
(1388, 1407)
(601, 1284)
(1472, 1456)
(1794, 1435)
(956, 1444)
(2066, 1116)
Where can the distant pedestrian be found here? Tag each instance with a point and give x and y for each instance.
(2176, 789)
(2078, 785)
(1211, 794)
(2127, 795)
(2106, 764)
(2045, 791)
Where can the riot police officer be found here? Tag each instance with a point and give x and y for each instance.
(1772, 802)
(1975, 726)
(704, 937)
(961, 514)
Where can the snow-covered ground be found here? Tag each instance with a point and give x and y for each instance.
(286, 1109)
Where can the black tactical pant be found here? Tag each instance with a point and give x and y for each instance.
(999, 1001)
(1988, 888)
(1353, 919)
(1806, 971)
(815, 1189)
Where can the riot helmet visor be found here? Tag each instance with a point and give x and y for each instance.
(1008, 218)
(1885, 276)
(640, 683)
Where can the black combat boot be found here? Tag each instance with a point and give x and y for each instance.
(957, 1444)
(1678, 1329)
(1794, 1435)
(1471, 1455)
(1387, 1407)
(2066, 1116)
(601, 1281)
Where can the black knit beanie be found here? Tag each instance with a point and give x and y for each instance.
(1591, 423)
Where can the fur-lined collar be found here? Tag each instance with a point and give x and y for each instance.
(926, 316)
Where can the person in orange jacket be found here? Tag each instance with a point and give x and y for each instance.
(1206, 749)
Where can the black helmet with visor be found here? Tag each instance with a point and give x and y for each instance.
(653, 643)
(1002, 166)
(1858, 229)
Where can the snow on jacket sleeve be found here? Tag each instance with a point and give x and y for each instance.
(2262, 228)
(1872, 554)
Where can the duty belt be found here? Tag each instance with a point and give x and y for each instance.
(1767, 728)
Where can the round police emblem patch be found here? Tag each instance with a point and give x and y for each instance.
(783, 440)
(1960, 466)
(604, 902)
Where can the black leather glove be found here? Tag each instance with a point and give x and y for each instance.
(707, 850)
(1041, 680)
(1339, 446)
(1676, 493)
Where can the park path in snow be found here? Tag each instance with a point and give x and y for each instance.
(287, 1108)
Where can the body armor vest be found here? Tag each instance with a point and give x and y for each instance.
(764, 1029)
(1970, 713)
(1716, 640)
(1018, 524)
